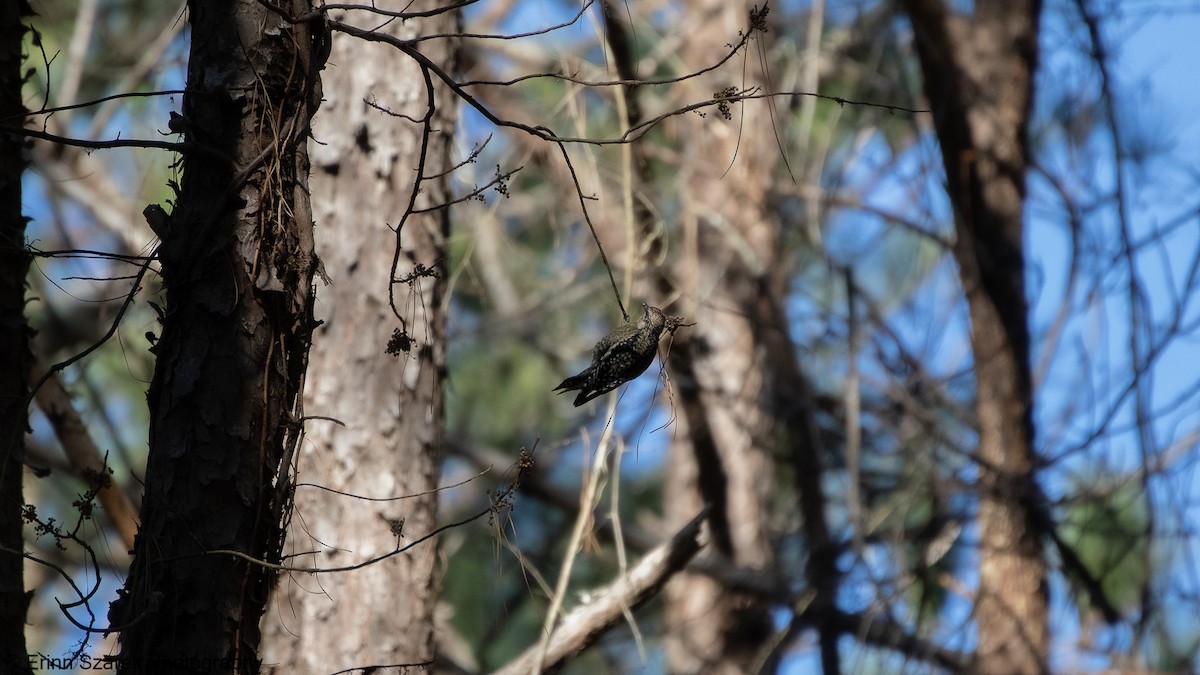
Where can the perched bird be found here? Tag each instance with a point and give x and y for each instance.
(619, 356)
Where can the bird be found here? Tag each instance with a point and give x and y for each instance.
(618, 357)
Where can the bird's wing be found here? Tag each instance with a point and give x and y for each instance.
(602, 348)
(623, 363)
(611, 345)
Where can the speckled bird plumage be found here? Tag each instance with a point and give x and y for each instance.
(619, 357)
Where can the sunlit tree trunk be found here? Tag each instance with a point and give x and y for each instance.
(14, 345)
(388, 441)
(237, 264)
(979, 78)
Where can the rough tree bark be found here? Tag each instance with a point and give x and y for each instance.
(391, 406)
(979, 75)
(14, 345)
(237, 264)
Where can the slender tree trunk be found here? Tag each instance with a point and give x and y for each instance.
(389, 442)
(979, 75)
(237, 263)
(740, 389)
(723, 453)
(14, 345)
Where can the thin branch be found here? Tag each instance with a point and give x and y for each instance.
(507, 36)
(103, 99)
(174, 146)
(112, 329)
(345, 568)
(364, 498)
(587, 502)
(632, 134)
(592, 227)
(500, 180)
(426, 131)
(86, 459)
(381, 12)
(500, 500)
(587, 623)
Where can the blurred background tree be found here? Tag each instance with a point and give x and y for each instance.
(826, 403)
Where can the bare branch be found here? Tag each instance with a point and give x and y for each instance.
(113, 143)
(86, 459)
(587, 623)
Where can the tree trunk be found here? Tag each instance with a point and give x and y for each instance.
(14, 346)
(237, 264)
(723, 453)
(979, 80)
(391, 406)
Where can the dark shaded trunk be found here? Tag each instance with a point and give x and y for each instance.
(237, 263)
(14, 346)
(978, 76)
